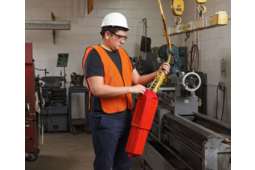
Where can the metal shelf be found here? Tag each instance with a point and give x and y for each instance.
(47, 25)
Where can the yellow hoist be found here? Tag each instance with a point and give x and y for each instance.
(201, 9)
(177, 8)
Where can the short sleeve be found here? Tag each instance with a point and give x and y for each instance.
(93, 65)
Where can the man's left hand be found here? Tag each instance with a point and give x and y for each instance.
(165, 67)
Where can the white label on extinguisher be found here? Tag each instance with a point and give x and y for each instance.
(223, 68)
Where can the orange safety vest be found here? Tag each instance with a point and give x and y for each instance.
(112, 77)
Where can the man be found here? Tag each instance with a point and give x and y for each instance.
(109, 75)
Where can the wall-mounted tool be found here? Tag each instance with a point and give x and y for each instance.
(146, 41)
(192, 58)
(90, 6)
(53, 31)
(223, 68)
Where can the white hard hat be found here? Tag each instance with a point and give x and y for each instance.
(115, 19)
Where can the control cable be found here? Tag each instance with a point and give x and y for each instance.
(220, 83)
(194, 50)
(223, 105)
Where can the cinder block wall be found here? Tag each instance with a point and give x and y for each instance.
(214, 45)
(85, 30)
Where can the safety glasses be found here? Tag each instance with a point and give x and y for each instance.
(120, 37)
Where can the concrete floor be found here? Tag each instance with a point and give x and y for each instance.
(67, 152)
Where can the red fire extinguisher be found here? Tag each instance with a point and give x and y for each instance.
(141, 123)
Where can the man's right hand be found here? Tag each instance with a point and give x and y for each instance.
(137, 89)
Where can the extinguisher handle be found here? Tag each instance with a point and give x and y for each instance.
(131, 155)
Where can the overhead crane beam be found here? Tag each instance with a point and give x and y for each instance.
(218, 19)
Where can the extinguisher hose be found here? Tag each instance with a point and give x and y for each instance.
(131, 155)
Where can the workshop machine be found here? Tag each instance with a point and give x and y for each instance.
(76, 80)
(55, 108)
(180, 137)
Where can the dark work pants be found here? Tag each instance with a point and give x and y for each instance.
(110, 137)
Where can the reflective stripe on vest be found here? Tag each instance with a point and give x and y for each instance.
(112, 77)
